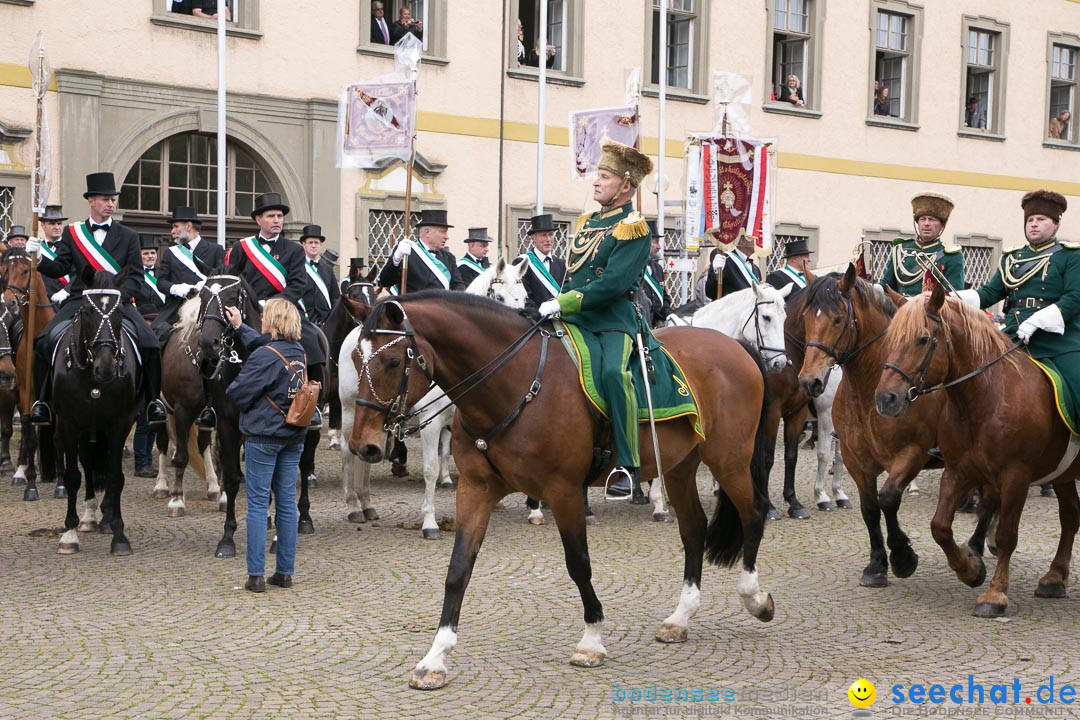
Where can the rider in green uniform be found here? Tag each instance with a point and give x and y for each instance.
(604, 268)
(904, 272)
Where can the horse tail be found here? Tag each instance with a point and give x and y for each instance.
(724, 537)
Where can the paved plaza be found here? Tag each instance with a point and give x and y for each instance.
(170, 633)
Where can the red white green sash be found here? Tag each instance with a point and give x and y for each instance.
(91, 249)
(48, 252)
(264, 262)
(152, 282)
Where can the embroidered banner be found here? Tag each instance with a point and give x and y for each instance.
(589, 129)
(736, 185)
(375, 121)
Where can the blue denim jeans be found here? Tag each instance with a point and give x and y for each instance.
(143, 442)
(271, 466)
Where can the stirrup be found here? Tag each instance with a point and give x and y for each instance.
(207, 419)
(616, 490)
(40, 414)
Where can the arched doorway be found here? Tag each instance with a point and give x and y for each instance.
(182, 170)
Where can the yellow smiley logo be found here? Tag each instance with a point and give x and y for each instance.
(862, 693)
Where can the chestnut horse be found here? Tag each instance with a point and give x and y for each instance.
(845, 319)
(1000, 423)
(529, 429)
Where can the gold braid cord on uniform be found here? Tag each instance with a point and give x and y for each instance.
(904, 276)
(582, 247)
(1011, 281)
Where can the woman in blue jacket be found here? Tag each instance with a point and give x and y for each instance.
(272, 448)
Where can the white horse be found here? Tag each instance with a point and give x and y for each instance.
(756, 315)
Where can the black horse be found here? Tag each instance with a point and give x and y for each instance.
(96, 391)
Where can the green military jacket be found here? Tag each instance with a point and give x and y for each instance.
(1029, 279)
(904, 274)
(603, 269)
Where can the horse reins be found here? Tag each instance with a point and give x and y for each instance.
(850, 326)
(755, 315)
(215, 289)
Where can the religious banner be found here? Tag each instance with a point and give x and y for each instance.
(375, 122)
(861, 261)
(589, 129)
(734, 179)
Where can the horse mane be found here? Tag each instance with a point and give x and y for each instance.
(188, 323)
(824, 294)
(981, 333)
(496, 310)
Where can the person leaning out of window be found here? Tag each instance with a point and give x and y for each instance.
(272, 448)
(791, 92)
(1059, 125)
(531, 57)
(973, 116)
(881, 102)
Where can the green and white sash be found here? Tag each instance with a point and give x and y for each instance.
(540, 270)
(434, 264)
(468, 262)
(653, 284)
(91, 249)
(743, 267)
(264, 262)
(48, 252)
(795, 275)
(317, 279)
(152, 282)
(185, 256)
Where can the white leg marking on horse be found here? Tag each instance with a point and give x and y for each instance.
(689, 604)
(536, 517)
(20, 473)
(435, 660)
(590, 652)
(212, 483)
(89, 515)
(752, 596)
(69, 542)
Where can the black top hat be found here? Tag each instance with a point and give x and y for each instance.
(269, 201)
(312, 231)
(17, 231)
(330, 256)
(53, 212)
(652, 228)
(542, 223)
(356, 262)
(433, 218)
(147, 242)
(794, 248)
(100, 183)
(478, 234)
(182, 213)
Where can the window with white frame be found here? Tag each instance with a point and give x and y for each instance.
(985, 49)
(684, 52)
(426, 20)
(528, 39)
(795, 28)
(1063, 96)
(199, 15)
(891, 63)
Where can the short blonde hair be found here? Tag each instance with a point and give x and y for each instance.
(282, 319)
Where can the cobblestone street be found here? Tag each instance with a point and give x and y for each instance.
(170, 633)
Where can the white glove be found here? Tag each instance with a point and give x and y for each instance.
(971, 297)
(1048, 319)
(199, 285)
(718, 262)
(180, 290)
(549, 308)
(262, 304)
(33, 245)
(60, 296)
(403, 248)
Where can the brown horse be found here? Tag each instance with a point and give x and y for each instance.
(529, 429)
(1000, 423)
(845, 319)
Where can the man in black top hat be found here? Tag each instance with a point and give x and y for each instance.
(51, 225)
(652, 282)
(322, 288)
(98, 243)
(546, 272)
(184, 267)
(797, 254)
(432, 266)
(274, 267)
(735, 269)
(17, 237)
(356, 273)
(475, 260)
(149, 299)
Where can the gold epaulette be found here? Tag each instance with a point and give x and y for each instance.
(582, 219)
(1011, 250)
(631, 227)
(1069, 245)
(899, 241)
(952, 249)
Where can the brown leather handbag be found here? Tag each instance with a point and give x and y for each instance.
(306, 400)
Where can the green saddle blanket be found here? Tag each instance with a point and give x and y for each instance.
(672, 396)
(1064, 391)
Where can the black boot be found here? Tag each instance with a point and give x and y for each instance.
(620, 483)
(207, 419)
(40, 414)
(151, 366)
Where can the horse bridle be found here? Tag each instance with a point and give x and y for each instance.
(215, 310)
(23, 293)
(851, 326)
(755, 315)
(105, 335)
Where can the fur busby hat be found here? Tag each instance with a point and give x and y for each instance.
(1044, 202)
(624, 161)
(932, 204)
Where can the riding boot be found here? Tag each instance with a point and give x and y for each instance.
(40, 414)
(151, 366)
(207, 419)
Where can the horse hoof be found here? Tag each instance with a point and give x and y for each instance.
(87, 526)
(538, 520)
(427, 680)
(768, 610)
(669, 633)
(1050, 590)
(30, 494)
(591, 520)
(371, 514)
(904, 562)
(398, 470)
(587, 658)
(844, 504)
(59, 492)
(798, 512)
(913, 492)
(225, 550)
(772, 515)
(68, 549)
(18, 480)
(431, 533)
(639, 500)
(305, 527)
(980, 577)
(661, 517)
(121, 549)
(874, 580)
(160, 494)
(356, 516)
(212, 496)
(988, 610)
(177, 512)
(826, 506)
(312, 481)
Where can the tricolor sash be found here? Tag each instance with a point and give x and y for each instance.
(48, 252)
(91, 249)
(653, 284)
(744, 267)
(537, 267)
(152, 282)
(469, 262)
(795, 275)
(316, 278)
(185, 256)
(264, 262)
